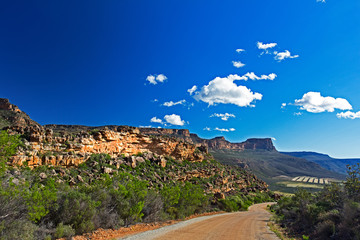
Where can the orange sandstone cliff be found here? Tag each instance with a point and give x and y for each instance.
(70, 145)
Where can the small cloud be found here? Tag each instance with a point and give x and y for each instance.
(239, 50)
(151, 79)
(348, 115)
(253, 76)
(279, 56)
(156, 120)
(207, 129)
(149, 126)
(224, 129)
(322, 1)
(274, 139)
(192, 90)
(171, 103)
(161, 77)
(238, 64)
(155, 100)
(155, 79)
(265, 46)
(174, 120)
(223, 116)
(315, 103)
(298, 113)
(283, 105)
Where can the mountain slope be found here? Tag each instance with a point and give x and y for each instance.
(272, 166)
(333, 164)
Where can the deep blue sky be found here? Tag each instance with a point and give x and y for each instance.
(86, 62)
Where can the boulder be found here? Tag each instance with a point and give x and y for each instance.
(42, 175)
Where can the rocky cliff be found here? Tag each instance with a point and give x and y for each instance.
(70, 145)
(216, 143)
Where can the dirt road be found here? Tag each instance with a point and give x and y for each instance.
(240, 225)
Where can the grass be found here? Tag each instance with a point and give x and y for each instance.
(301, 185)
(284, 193)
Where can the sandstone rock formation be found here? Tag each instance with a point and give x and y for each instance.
(70, 145)
(128, 147)
(215, 143)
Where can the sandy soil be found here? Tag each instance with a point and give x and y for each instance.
(240, 225)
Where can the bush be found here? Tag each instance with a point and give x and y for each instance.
(77, 209)
(64, 231)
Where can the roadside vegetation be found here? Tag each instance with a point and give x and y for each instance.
(53, 202)
(332, 213)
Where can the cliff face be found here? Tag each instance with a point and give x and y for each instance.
(62, 145)
(70, 145)
(219, 143)
(216, 143)
(11, 115)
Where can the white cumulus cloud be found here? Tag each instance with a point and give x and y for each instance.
(223, 116)
(239, 50)
(225, 129)
(161, 77)
(149, 126)
(253, 76)
(207, 129)
(224, 90)
(155, 79)
(174, 120)
(348, 114)
(156, 120)
(151, 79)
(192, 90)
(171, 103)
(315, 103)
(279, 56)
(265, 46)
(238, 64)
(283, 105)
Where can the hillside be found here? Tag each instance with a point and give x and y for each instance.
(332, 164)
(61, 180)
(275, 168)
(71, 145)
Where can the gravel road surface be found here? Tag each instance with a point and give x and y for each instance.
(240, 225)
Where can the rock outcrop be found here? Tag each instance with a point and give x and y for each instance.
(129, 149)
(71, 145)
(215, 143)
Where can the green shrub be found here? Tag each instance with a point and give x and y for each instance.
(77, 209)
(64, 231)
(39, 199)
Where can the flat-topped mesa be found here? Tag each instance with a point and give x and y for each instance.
(250, 144)
(259, 144)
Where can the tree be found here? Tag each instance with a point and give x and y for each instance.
(8, 148)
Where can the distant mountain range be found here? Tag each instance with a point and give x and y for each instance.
(74, 143)
(324, 160)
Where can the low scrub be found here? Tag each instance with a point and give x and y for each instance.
(333, 213)
(49, 203)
